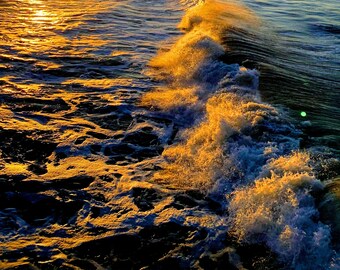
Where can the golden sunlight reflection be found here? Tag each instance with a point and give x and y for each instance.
(35, 2)
(42, 27)
(99, 83)
(39, 13)
(24, 87)
(121, 137)
(46, 35)
(40, 16)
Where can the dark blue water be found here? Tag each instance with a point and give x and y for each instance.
(309, 32)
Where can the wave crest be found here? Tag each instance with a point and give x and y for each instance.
(232, 144)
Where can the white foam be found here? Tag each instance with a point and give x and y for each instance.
(280, 212)
(238, 146)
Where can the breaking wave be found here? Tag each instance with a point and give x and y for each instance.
(231, 144)
(110, 160)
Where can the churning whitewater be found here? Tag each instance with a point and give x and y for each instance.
(231, 144)
(128, 143)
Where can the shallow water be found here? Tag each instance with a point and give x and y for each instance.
(170, 128)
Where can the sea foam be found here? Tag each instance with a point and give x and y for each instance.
(280, 211)
(234, 144)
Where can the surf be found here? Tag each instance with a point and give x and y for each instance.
(230, 143)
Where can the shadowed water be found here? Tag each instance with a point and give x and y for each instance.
(307, 35)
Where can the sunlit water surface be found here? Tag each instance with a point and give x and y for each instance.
(123, 135)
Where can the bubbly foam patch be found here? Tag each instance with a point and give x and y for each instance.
(179, 97)
(280, 211)
(199, 160)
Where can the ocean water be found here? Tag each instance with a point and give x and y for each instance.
(169, 134)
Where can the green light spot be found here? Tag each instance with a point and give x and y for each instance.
(303, 114)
